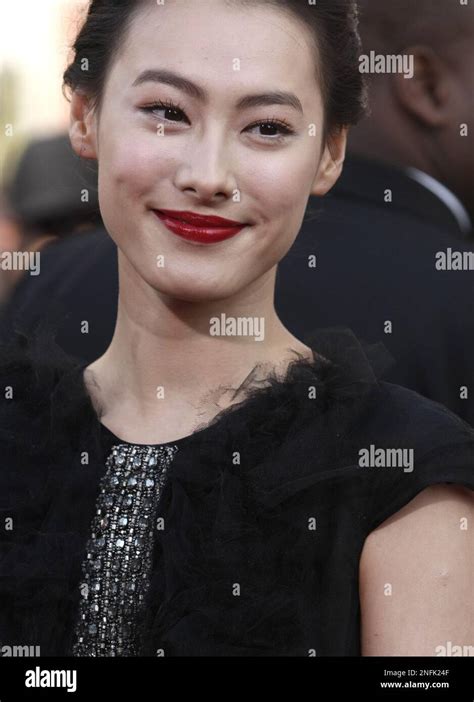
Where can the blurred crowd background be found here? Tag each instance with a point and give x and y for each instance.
(39, 174)
(376, 254)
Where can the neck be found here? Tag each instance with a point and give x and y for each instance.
(164, 343)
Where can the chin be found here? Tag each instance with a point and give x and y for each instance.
(197, 291)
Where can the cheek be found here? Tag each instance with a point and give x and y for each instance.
(128, 168)
(281, 186)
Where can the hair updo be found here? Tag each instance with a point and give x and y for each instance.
(332, 23)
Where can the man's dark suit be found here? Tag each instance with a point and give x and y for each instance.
(78, 283)
(375, 264)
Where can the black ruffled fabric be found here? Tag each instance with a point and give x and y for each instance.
(239, 569)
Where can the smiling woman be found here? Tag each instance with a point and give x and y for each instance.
(212, 499)
(188, 125)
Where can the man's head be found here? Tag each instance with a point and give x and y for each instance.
(421, 121)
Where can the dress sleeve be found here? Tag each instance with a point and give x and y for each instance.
(442, 447)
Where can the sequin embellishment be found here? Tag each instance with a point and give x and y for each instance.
(119, 554)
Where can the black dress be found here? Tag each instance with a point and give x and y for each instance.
(242, 539)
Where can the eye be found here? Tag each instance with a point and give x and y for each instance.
(284, 129)
(175, 111)
(167, 106)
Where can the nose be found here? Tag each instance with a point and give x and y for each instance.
(206, 168)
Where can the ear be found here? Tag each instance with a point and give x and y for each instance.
(427, 94)
(83, 126)
(332, 160)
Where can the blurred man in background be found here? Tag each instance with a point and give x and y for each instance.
(402, 206)
(10, 240)
(420, 125)
(50, 200)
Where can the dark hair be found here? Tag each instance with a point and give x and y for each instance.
(333, 24)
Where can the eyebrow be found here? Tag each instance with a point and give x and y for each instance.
(274, 97)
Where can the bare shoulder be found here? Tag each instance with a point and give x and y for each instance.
(416, 576)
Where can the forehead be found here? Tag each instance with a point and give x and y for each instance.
(216, 42)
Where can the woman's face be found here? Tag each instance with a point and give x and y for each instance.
(210, 156)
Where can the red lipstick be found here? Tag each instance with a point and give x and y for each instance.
(204, 229)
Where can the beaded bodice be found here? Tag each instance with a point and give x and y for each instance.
(118, 562)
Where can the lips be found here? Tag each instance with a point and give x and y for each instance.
(204, 229)
(198, 220)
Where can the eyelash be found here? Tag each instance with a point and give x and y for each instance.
(285, 129)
